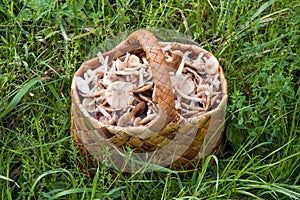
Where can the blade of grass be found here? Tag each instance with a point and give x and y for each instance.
(32, 189)
(19, 96)
(76, 24)
(10, 180)
(94, 189)
(40, 135)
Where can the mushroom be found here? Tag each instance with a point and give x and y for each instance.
(183, 95)
(139, 109)
(175, 58)
(185, 84)
(121, 65)
(190, 113)
(133, 61)
(147, 119)
(199, 61)
(215, 99)
(206, 93)
(103, 60)
(144, 98)
(192, 107)
(109, 77)
(89, 104)
(198, 78)
(181, 66)
(178, 102)
(204, 90)
(83, 85)
(114, 119)
(103, 111)
(143, 88)
(211, 64)
(131, 118)
(119, 94)
(125, 120)
(216, 82)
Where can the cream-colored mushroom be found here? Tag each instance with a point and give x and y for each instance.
(216, 82)
(127, 72)
(121, 66)
(174, 59)
(109, 77)
(136, 121)
(181, 66)
(211, 64)
(133, 61)
(89, 104)
(190, 113)
(103, 111)
(191, 106)
(205, 92)
(89, 84)
(83, 85)
(148, 119)
(119, 94)
(186, 84)
(103, 61)
(199, 62)
(113, 119)
(197, 78)
(215, 98)
(100, 100)
(143, 88)
(96, 93)
(192, 98)
(141, 77)
(178, 102)
(127, 57)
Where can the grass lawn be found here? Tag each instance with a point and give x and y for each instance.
(43, 43)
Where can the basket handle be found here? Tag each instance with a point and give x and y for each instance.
(163, 92)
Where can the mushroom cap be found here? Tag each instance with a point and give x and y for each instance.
(89, 104)
(119, 94)
(205, 89)
(184, 83)
(211, 65)
(133, 60)
(82, 85)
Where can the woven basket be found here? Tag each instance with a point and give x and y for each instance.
(171, 140)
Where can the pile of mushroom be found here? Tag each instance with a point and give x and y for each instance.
(120, 93)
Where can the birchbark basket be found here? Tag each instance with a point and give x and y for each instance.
(170, 139)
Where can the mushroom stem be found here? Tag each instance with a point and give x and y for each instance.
(181, 66)
(98, 94)
(103, 111)
(197, 77)
(143, 89)
(186, 96)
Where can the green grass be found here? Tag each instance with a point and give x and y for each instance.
(42, 43)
